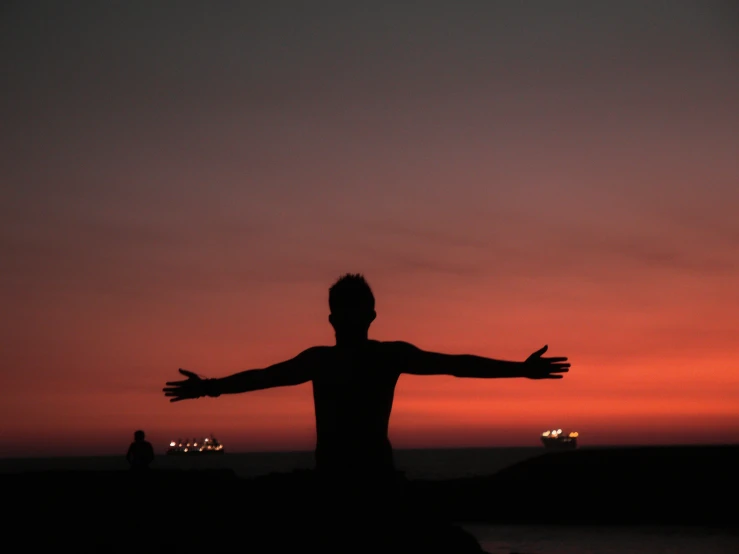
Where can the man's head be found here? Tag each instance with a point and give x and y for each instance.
(352, 306)
(139, 436)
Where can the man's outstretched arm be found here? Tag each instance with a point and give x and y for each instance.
(295, 371)
(421, 362)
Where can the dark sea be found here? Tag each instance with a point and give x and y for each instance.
(446, 464)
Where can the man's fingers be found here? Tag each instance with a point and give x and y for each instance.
(173, 392)
(188, 374)
(556, 360)
(541, 350)
(556, 364)
(174, 388)
(177, 397)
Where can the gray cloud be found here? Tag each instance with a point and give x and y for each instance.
(648, 251)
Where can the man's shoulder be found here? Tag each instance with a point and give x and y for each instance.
(396, 348)
(320, 349)
(316, 353)
(397, 344)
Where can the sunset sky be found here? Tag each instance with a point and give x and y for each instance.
(183, 181)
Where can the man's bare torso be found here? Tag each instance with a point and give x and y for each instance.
(353, 389)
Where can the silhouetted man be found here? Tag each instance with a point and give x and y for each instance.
(354, 381)
(140, 453)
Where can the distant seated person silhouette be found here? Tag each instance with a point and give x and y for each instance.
(354, 382)
(140, 453)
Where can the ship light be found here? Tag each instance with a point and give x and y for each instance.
(186, 449)
(574, 434)
(546, 433)
(172, 443)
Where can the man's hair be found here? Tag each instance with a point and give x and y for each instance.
(139, 435)
(351, 293)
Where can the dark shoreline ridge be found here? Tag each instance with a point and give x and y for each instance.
(217, 511)
(662, 485)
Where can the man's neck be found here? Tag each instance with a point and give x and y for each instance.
(351, 341)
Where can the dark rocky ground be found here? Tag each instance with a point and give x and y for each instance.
(214, 511)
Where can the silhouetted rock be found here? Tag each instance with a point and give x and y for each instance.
(215, 511)
(637, 485)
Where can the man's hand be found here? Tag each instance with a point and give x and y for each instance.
(192, 387)
(536, 367)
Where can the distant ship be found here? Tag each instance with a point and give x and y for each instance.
(195, 447)
(558, 440)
